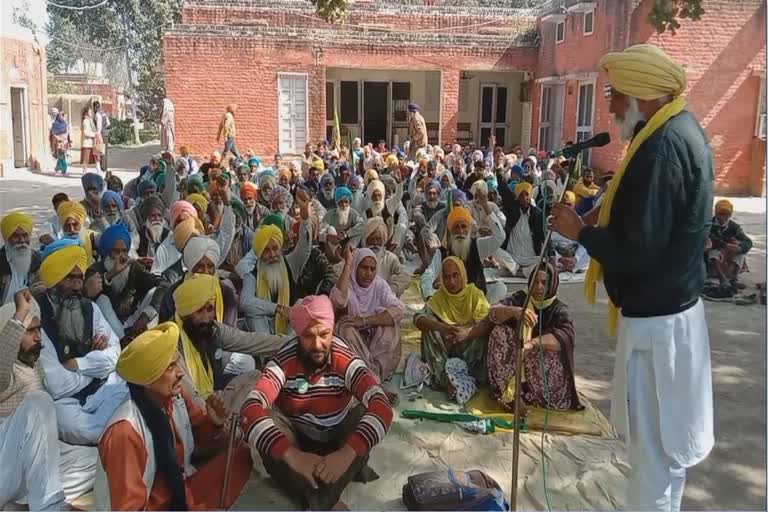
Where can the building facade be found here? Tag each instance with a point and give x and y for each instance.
(527, 77)
(24, 118)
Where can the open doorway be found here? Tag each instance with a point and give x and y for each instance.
(19, 127)
(375, 112)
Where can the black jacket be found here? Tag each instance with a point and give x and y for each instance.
(512, 211)
(722, 235)
(651, 250)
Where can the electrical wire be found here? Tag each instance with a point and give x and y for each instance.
(77, 8)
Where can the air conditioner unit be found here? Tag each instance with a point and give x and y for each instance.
(761, 128)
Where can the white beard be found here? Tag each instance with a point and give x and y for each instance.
(431, 204)
(376, 249)
(217, 209)
(120, 280)
(273, 273)
(155, 230)
(19, 258)
(343, 216)
(377, 207)
(328, 194)
(250, 209)
(631, 117)
(112, 218)
(460, 247)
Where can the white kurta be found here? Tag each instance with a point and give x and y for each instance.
(84, 424)
(662, 403)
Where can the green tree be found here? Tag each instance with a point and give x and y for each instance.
(125, 34)
(666, 14)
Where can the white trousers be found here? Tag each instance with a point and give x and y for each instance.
(656, 482)
(29, 450)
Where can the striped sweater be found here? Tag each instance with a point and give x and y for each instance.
(321, 400)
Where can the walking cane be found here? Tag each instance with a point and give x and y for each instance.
(230, 450)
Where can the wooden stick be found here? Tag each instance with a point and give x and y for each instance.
(519, 359)
(230, 452)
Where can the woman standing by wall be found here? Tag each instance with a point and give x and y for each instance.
(87, 139)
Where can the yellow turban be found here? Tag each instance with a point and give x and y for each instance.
(262, 237)
(186, 229)
(459, 214)
(644, 72)
(146, 358)
(71, 210)
(392, 160)
(724, 205)
(523, 186)
(198, 200)
(58, 265)
(318, 163)
(569, 197)
(14, 221)
(195, 292)
(371, 175)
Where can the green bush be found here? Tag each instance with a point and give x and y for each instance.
(121, 132)
(149, 133)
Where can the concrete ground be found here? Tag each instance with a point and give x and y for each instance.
(733, 477)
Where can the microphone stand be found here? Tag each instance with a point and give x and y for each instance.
(518, 340)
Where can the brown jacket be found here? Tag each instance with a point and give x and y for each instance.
(418, 130)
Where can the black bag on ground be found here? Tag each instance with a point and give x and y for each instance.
(453, 490)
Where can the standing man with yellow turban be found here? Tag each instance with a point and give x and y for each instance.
(19, 263)
(146, 449)
(647, 247)
(470, 250)
(80, 350)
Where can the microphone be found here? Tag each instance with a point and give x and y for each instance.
(598, 141)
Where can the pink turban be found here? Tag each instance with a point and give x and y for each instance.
(180, 207)
(311, 310)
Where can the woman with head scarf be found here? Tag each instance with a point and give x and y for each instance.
(369, 314)
(453, 334)
(548, 337)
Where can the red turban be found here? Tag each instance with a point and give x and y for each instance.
(247, 190)
(311, 310)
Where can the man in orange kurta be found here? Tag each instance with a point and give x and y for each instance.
(147, 446)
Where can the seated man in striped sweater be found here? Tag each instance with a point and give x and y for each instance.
(300, 417)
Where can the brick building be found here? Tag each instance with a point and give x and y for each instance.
(529, 77)
(24, 118)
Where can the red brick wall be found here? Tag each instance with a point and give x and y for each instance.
(719, 52)
(194, 65)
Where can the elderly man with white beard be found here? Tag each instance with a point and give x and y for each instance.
(346, 221)
(327, 196)
(387, 202)
(422, 214)
(154, 229)
(270, 286)
(471, 251)
(72, 218)
(389, 267)
(19, 263)
(80, 350)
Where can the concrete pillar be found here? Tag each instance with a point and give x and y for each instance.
(526, 127)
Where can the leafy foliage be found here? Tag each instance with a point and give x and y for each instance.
(119, 34)
(665, 14)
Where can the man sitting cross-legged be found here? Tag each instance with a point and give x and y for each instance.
(146, 449)
(452, 326)
(301, 415)
(371, 314)
(80, 349)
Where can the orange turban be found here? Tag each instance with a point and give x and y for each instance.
(248, 190)
(459, 214)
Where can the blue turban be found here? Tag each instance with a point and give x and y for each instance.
(400, 154)
(344, 165)
(111, 235)
(327, 177)
(59, 244)
(492, 184)
(146, 186)
(517, 170)
(108, 196)
(432, 184)
(412, 107)
(254, 161)
(511, 184)
(458, 195)
(356, 179)
(92, 180)
(341, 193)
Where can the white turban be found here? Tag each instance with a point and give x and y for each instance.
(200, 246)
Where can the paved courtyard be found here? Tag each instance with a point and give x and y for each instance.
(734, 475)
